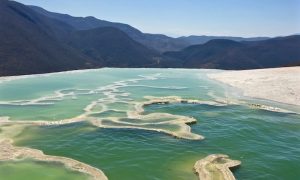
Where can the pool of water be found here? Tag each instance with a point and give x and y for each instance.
(267, 143)
(32, 170)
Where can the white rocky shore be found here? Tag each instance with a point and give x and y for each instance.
(276, 84)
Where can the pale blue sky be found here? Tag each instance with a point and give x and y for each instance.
(186, 17)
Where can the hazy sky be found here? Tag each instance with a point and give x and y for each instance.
(187, 17)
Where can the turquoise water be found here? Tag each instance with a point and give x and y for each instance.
(267, 143)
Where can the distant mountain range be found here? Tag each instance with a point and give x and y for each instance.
(193, 40)
(228, 54)
(158, 42)
(33, 40)
(33, 43)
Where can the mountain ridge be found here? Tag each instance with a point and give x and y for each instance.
(29, 43)
(228, 54)
(33, 43)
(158, 42)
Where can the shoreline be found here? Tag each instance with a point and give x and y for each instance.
(25, 76)
(95, 69)
(276, 84)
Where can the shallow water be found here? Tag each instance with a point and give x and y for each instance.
(267, 143)
(37, 170)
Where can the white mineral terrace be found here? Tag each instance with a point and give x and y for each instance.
(215, 167)
(277, 84)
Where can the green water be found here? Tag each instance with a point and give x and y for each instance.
(267, 143)
(36, 171)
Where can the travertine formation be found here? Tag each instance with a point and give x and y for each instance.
(215, 167)
(146, 121)
(10, 152)
(277, 84)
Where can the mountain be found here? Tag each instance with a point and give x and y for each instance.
(33, 43)
(193, 40)
(228, 54)
(158, 42)
(29, 43)
(112, 48)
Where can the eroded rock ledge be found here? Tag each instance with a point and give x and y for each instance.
(215, 167)
(9, 152)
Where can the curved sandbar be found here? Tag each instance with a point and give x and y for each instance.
(10, 152)
(158, 122)
(215, 167)
(153, 119)
(171, 124)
